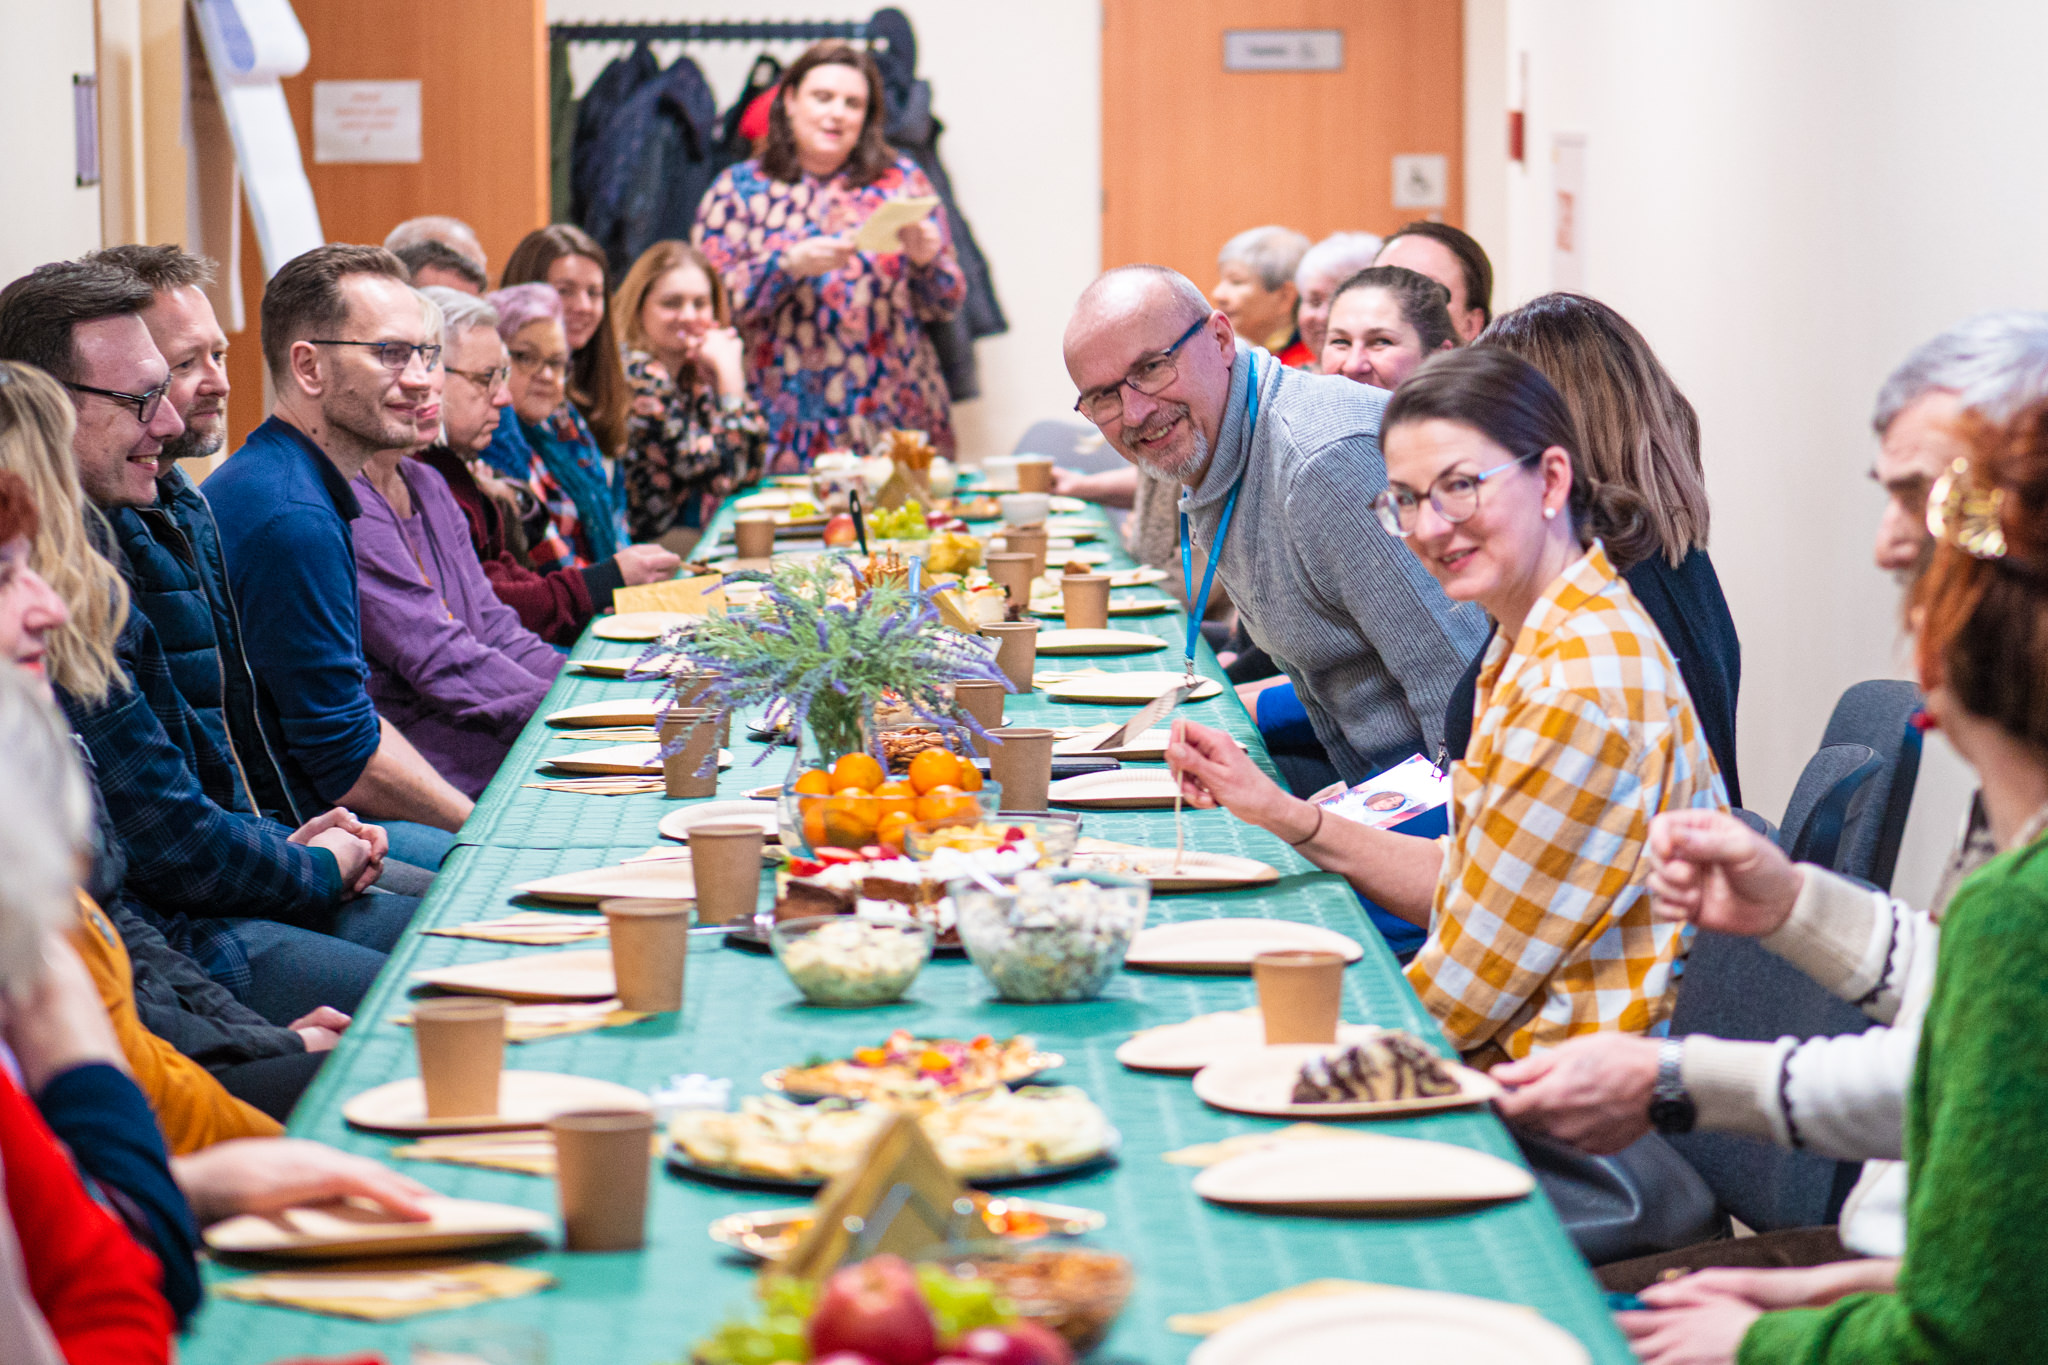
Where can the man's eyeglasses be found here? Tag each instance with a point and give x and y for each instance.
(393, 355)
(145, 404)
(487, 380)
(526, 362)
(1454, 495)
(1148, 376)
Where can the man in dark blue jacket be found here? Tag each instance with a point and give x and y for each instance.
(264, 909)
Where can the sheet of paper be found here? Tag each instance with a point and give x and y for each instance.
(690, 596)
(884, 226)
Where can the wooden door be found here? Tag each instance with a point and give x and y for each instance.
(1192, 154)
(482, 68)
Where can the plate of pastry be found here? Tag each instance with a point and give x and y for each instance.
(1394, 1073)
(906, 1067)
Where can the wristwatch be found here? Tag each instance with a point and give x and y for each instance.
(1671, 1108)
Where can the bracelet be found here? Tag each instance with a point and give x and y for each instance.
(1309, 837)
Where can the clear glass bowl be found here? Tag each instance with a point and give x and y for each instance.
(810, 822)
(1050, 935)
(849, 960)
(1055, 835)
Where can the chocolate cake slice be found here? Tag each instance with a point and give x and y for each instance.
(1393, 1066)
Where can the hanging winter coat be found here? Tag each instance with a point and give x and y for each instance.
(651, 164)
(594, 112)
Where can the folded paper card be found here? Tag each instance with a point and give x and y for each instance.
(884, 228)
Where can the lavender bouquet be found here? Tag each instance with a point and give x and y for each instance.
(827, 646)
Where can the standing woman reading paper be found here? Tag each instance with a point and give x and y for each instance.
(834, 333)
(1537, 907)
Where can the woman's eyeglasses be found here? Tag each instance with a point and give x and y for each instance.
(1454, 495)
(528, 362)
(145, 404)
(1148, 376)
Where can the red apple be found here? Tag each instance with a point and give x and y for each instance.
(839, 530)
(845, 1358)
(1021, 1343)
(875, 1309)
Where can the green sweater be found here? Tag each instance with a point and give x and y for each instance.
(1974, 1284)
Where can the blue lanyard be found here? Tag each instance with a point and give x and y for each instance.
(1199, 606)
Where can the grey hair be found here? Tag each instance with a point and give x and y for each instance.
(437, 324)
(1338, 256)
(1182, 288)
(460, 312)
(1273, 253)
(452, 233)
(45, 826)
(1996, 363)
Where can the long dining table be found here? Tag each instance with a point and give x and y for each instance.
(741, 1017)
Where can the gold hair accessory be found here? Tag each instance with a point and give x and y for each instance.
(1964, 515)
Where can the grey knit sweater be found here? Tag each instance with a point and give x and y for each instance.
(1371, 642)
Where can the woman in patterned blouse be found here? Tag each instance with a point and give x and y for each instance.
(692, 433)
(836, 346)
(1538, 905)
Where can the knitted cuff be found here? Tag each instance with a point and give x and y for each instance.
(1835, 934)
(1734, 1086)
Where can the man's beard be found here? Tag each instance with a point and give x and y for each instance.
(193, 444)
(1181, 468)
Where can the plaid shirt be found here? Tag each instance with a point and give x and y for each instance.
(1583, 731)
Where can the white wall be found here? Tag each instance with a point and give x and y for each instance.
(1786, 199)
(1020, 94)
(41, 46)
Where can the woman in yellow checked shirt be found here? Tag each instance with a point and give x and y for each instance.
(1537, 903)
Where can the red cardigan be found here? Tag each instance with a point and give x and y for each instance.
(97, 1288)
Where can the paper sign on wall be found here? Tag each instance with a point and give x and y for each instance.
(1421, 181)
(366, 121)
(1568, 221)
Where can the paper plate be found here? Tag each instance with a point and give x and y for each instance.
(1136, 606)
(767, 499)
(1149, 747)
(638, 760)
(1073, 528)
(616, 668)
(668, 879)
(1057, 555)
(1261, 1081)
(585, 974)
(624, 711)
(356, 1228)
(1197, 871)
(641, 625)
(526, 1099)
(1121, 789)
(1403, 1327)
(676, 824)
(1227, 946)
(1062, 503)
(1365, 1174)
(1185, 1048)
(1124, 689)
(1097, 642)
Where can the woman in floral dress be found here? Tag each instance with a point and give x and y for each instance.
(692, 433)
(836, 346)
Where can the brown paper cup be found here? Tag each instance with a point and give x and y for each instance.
(1029, 540)
(1013, 572)
(1022, 765)
(650, 942)
(754, 537)
(1034, 475)
(984, 702)
(692, 686)
(699, 728)
(1301, 995)
(725, 861)
(601, 1160)
(461, 1043)
(1016, 650)
(1085, 597)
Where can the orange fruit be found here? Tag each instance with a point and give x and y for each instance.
(894, 796)
(850, 820)
(814, 782)
(970, 777)
(946, 803)
(889, 831)
(814, 820)
(857, 770)
(934, 768)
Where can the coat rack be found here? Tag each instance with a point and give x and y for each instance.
(717, 32)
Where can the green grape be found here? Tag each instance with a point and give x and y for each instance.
(961, 1305)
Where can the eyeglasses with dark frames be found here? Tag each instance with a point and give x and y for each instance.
(145, 404)
(527, 362)
(1148, 376)
(393, 355)
(1454, 495)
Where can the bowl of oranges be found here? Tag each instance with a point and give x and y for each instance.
(857, 803)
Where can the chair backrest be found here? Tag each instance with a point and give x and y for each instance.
(1878, 713)
(1736, 988)
(1824, 803)
(1072, 443)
